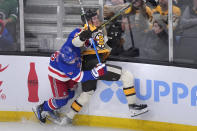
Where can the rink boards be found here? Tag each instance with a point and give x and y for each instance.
(170, 93)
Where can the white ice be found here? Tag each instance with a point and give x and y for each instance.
(33, 126)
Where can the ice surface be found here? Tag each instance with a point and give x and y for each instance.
(34, 126)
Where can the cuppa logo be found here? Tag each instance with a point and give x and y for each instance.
(162, 89)
(2, 95)
(107, 94)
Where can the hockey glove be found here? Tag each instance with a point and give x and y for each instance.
(86, 34)
(99, 70)
(87, 44)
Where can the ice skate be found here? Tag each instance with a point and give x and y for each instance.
(53, 116)
(137, 109)
(65, 121)
(39, 113)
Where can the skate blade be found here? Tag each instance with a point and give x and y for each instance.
(54, 121)
(137, 114)
(58, 122)
(36, 114)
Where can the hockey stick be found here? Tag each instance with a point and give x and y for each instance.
(91, 39)
(108, 21)
(83, 13)
(112, 18)
(97, 55)
(133, 50)
(130, 31)
(94, 45)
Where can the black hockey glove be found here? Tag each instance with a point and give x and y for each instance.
(86, 34)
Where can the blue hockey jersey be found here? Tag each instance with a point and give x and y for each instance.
(63, 71)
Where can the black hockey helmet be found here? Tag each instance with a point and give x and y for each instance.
(88, 15)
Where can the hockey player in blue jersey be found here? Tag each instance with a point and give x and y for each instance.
(64, 73)
(65, 66)
(114, 73)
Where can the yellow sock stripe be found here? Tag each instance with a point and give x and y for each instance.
(102, 121)
(76, 106)
(129, 91)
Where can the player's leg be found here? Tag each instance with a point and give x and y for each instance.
(115, 73)
(61, 95)
(87, 91)
(130, 93)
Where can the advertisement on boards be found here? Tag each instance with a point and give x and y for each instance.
(170, 92)
(23, 82)
(2, 94)
(32, 84)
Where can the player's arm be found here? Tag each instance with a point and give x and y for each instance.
(81, 37)
(95, 73)
(81, 76)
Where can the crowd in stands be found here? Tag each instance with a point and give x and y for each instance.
(8, 19)
(145, 26)
(142, 31)
(186, 35)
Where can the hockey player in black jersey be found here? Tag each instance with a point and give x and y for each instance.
(114, 73)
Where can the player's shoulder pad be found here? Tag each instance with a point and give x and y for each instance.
(73, 33)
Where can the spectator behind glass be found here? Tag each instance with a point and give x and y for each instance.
(188, 22)
(152, 3)
(114, 29)
(161, 12)
(8, 17)
(186, 40)
(156, 42)
(139, 20)
(182, 3)
(136, 22)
